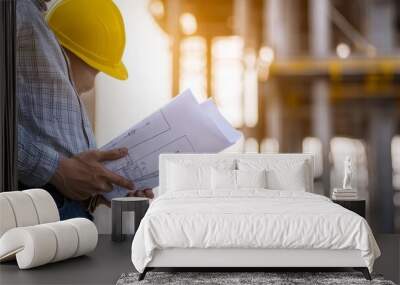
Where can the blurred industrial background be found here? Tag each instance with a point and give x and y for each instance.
(314, 76)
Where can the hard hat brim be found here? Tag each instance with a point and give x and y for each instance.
(117, 71)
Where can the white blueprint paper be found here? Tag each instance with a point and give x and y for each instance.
(182, 126)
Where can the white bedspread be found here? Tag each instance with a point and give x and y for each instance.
(250, 219)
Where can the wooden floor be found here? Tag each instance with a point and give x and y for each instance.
(110, 260)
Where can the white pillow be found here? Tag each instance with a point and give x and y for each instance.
(183, 177)
(237, 179)
(223, 179)
(251, 178)
(282, 173)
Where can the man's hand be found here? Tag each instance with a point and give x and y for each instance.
(148, 193)
(84, 175)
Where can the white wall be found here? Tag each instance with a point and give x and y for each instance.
(120, 104)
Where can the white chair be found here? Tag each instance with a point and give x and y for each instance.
(31, 231)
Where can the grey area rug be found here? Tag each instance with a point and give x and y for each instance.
(273, 278)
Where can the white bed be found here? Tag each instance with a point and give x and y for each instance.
(202, 226)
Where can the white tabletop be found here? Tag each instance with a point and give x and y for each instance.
(130, 199)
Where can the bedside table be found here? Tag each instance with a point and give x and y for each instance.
(139, 205)
(357, 205)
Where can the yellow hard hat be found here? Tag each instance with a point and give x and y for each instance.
(93, 30)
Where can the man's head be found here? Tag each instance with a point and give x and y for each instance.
(93, 33)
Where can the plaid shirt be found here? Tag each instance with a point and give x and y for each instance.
(52, 120)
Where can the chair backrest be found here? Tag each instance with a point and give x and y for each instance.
(26, 208)
(285, 165)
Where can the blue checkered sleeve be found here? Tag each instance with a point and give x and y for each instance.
(36, 162)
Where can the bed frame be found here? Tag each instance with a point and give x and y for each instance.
(234, 259)
(248, 259)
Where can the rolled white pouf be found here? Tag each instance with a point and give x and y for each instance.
(33, 246)
(40, 244)
(23, 208)
(7, 218)
(67, 240)
(46, 208)
(87, 235)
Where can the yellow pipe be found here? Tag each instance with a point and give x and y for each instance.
(336, 67)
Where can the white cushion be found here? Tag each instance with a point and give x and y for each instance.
(282, 174)
(223, 179)
(23, 208)
(66, 237)
(31, 246)
(226, 179)
(183, 177)
(7, 218)
(190, 172)
(251, 178)
(87, 235)
(45, 206)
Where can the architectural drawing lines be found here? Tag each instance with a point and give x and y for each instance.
(167, 129)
